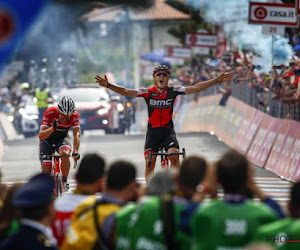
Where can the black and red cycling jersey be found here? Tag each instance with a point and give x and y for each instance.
(62, 128)
(160, 105)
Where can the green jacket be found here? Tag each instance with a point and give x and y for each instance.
(42, 97)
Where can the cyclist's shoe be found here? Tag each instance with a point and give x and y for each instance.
(66, 187)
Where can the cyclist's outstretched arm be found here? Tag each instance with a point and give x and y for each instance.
(116, 88)
(76, 136)
(223, 77)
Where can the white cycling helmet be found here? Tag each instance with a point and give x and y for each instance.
(66, 105)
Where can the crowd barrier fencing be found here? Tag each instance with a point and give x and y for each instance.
(268, 142)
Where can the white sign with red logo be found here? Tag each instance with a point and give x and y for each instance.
(177, 52)
(273, 13)
(201, 39)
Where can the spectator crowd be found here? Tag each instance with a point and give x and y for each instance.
(201, 205)
(275, 92)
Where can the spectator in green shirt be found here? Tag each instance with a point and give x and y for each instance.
(284, 234)
(230, 223)
(155, 222)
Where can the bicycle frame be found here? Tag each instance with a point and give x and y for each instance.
(56, 173)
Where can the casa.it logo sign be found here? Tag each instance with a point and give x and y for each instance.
(260, 13)
(193, 39)
(7, 25)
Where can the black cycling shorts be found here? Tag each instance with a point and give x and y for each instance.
(46, 149)
(160, 137)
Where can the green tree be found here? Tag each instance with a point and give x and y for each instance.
(197, 21)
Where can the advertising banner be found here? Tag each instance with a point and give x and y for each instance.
(193, 114)
(263, 140)
(241, 143)
(288, 150)
(292, 168)
(248, 129)
(177, 52)
(201, 39)
(213, 116)
(273, 13)
(239, 112)
(276, 155)
(226, 121)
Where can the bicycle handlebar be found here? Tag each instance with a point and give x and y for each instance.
(166, 154)
(60, 156)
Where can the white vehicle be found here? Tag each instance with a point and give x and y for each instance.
(29, 118)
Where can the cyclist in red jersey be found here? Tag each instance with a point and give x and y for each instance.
(160, 101)
(54, 136)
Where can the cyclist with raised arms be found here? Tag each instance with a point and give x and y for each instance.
(160, 100)
(54, 136)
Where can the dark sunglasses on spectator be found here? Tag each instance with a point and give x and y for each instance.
(161, 74)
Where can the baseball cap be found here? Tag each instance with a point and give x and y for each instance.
(38, 191)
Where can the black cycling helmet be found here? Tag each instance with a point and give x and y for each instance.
(162, 67)
(66, 105)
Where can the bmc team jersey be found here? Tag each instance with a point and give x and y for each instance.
(160, 105)
(64, 208)
(225, 225)
(282, 234)
(62, 129)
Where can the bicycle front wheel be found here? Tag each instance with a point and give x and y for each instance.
(58, 184)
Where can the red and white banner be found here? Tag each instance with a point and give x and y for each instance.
(273, 13)
(288, 150)
(280, 149)
(196, 112)
(177, 52)
(263, 140)
(201, 39)
(227, 119)
(292, 168)
(247, 129)
(252, 130)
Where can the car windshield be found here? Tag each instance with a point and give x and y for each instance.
(86, 94)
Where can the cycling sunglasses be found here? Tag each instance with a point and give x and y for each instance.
(161, 74)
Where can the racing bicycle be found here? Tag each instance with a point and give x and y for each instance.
(56, 172)
(164, 156)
